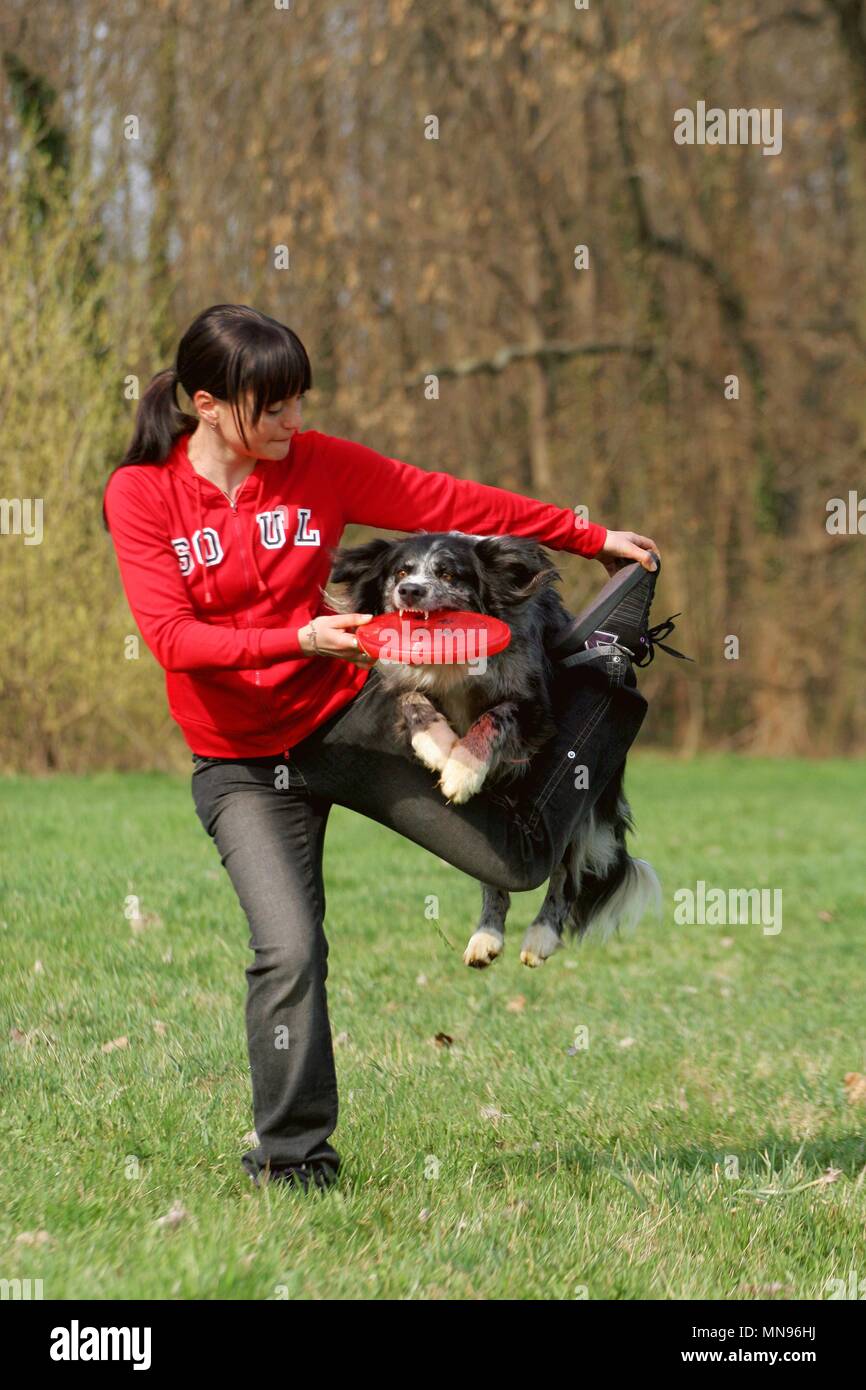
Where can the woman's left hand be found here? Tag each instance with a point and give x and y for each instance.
(622, 547)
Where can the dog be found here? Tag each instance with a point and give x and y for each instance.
(481, 727)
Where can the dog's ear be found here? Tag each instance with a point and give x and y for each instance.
(514, 569)
(362, 568)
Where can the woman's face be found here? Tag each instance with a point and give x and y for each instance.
(270, 437)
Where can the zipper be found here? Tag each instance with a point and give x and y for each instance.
(270, 711)
(239, 536)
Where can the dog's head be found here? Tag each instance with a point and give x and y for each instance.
(496, 575)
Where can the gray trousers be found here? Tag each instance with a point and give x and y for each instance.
(267, 817)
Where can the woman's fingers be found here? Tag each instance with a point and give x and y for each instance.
(335, 633)
(626, 546)
(643, 556)
(339, 639)
(639, 548)
(340, 620)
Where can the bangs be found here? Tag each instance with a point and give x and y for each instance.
(270, 367)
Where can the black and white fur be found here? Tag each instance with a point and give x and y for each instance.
(481, 727)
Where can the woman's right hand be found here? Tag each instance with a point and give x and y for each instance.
(333, 637)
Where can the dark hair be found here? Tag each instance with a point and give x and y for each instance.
(229, 350)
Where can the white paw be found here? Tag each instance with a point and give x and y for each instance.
(462, 776)
(433, 745)
(483, 948)
(539, 942)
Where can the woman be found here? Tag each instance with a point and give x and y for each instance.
(221, 522)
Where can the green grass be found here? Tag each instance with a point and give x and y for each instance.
(691, 1162)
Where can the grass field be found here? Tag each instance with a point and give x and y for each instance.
(702, 1145)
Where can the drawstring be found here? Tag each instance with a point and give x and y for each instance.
(652, 639)
(208, 597)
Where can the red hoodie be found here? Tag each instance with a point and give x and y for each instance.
(219, 591)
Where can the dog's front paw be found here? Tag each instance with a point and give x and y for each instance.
(431, 735)
(463, 775)
(433, 745)
(539, 943)
(483, 948)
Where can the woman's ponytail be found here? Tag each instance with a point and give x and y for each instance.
(159, 421)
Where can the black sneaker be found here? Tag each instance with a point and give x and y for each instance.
(617, 620)
(301, 1175)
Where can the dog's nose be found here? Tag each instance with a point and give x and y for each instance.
(411, 593)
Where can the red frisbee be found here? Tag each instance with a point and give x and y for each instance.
(447, 637)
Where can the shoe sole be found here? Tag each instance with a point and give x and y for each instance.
(615, 593)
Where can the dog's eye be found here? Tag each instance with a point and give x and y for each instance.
(446, 576)
(401, 574)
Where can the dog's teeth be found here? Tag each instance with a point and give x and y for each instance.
(401, 612)
(424, 611)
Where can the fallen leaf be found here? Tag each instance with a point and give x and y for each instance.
(855, 1085)
(517, 1004)
(143, 920)
(173, 1218)
(115, 1044)
(36, 1239)
(491, 1112)
(443, 1040)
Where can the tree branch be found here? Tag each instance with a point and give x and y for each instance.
(552, 350)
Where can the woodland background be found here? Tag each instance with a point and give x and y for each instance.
(304, 127)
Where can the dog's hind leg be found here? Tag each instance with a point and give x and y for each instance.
(544, 936)
(488, 939)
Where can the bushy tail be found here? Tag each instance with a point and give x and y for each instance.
(605, 888)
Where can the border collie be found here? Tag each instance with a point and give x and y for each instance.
(481, 727)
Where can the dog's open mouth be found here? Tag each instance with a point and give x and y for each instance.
(415, 612)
